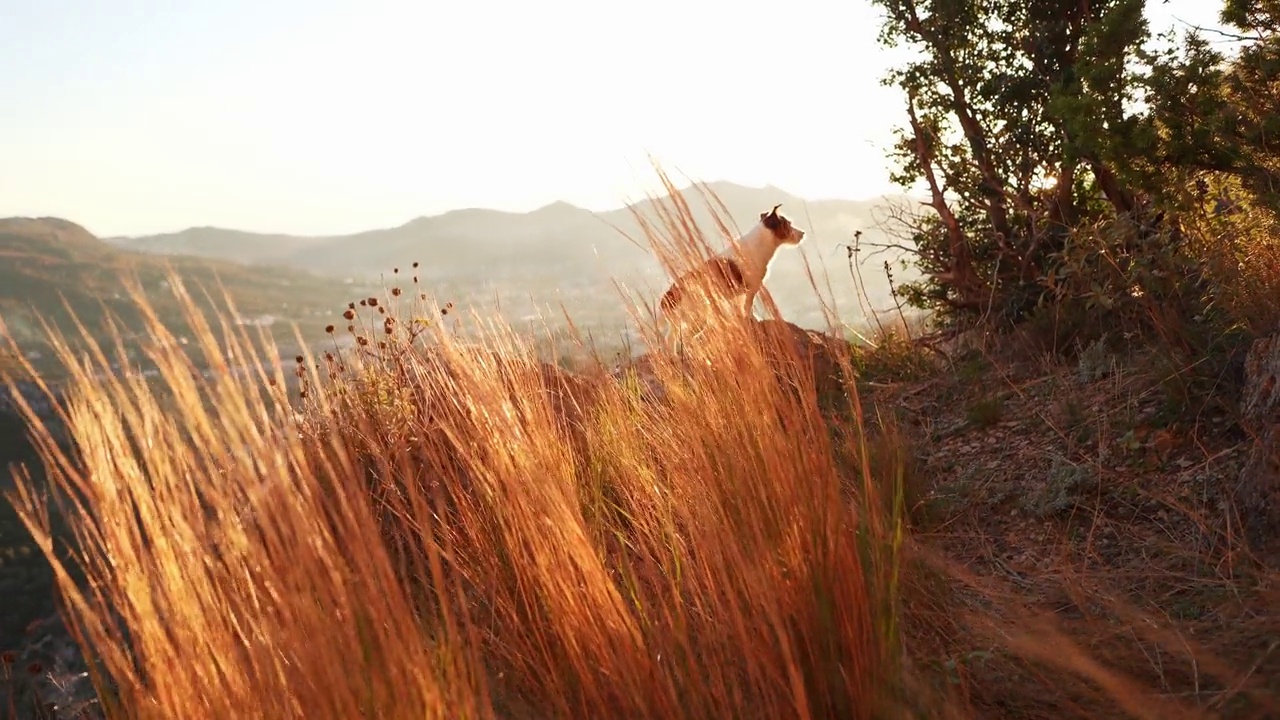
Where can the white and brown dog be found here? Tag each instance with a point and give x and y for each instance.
(737, 273)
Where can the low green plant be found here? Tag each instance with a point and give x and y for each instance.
(986, 411)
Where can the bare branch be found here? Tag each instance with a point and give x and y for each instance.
(1229, 36)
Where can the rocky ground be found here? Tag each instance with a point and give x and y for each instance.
(1099, 493)
(42, 672)
(1097, 501)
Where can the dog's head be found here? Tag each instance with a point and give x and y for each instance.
(781, 227)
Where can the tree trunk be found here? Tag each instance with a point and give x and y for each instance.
(959, 274)
(1063, 211)
(996, 211)
(1120, 198)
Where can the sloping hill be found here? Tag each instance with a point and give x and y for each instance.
(219, 243)
(48, 265)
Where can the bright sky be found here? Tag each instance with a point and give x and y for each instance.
(331, 116)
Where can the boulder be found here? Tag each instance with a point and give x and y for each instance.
(1258, 489)
(819, 353)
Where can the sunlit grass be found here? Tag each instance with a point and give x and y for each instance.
(454, 529)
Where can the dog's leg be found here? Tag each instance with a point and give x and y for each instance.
(681, 340)
(749, 305)
(673, 335)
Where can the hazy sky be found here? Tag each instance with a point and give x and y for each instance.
(328, 116)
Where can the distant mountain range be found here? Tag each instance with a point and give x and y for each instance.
(551, 236)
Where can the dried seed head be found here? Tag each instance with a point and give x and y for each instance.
(349, 314)
(373, 302)
(395, 291)
(329, 329)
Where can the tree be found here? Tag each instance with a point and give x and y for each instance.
(1222, 116)
(1027, 121)
(1018, 114)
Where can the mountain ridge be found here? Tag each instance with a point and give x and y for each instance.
(717, 187)
(554, 235)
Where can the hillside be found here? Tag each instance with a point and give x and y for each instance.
(49, 264)
(524, 264)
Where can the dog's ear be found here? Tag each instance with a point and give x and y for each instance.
(772, 214)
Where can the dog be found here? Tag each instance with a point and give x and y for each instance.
(737, 273)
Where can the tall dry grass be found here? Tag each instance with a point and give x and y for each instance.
(451, 527)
